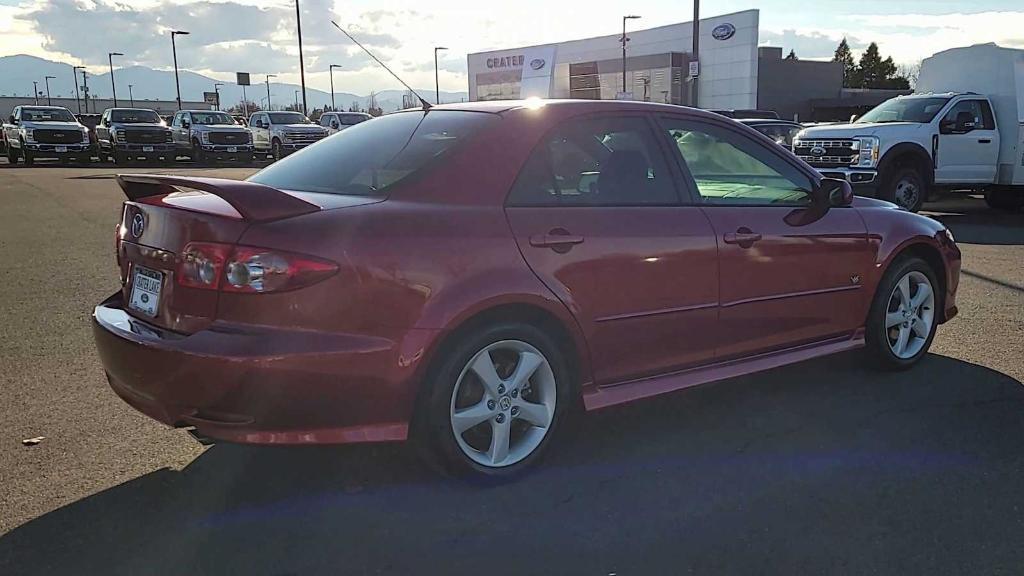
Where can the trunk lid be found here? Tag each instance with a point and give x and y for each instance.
(164, 214)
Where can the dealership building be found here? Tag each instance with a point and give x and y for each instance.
(733, 73)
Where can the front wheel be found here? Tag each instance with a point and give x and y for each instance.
(12, 155)
(907, 189)
(904, 314)
(495, 401)
(276, 150)
(27, 157)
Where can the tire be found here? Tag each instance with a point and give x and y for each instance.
(118, 157)
(520, 412)
(28, 158)
(197, 153)
(1005, 199)
(907, 189)
(891, 323)
(275, 150)
(12, 155)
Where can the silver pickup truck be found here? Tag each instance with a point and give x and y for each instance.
(35, 132)
(205, 135)
(281, 133)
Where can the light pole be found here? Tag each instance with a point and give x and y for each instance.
(624, 40)
(74, 76)
(130, 96)
(302, 66)
(269, 76)
(217, 92)
(174, 51)
(47, 80)
(85, 89)
(297, 101)
(437, 87)
(113, 87)
(331, 72)
(696, 47)
(35, 91)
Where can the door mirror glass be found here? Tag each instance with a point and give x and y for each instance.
(835, 192)
(12, 119)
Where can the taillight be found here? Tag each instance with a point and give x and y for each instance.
(247, 269)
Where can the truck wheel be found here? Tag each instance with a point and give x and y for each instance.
(27, 156)
(1004, 199)
(276, 150)
(197, 152)
(12, 155)
(907, 189)
(118, 157)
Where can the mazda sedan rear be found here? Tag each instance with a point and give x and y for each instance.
(464, 276)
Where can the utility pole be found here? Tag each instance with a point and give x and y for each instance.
(85, 89)
(437, 88)
(47, 79)
(174, 51)
(269, 76)
(302, 66)
(331, 72)
(624, 40)
(696, 49)
(35, 91)
(74, 76)
(297, 100)
(216, 85)
(130, 97)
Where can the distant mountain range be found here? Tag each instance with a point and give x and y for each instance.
(18, 72)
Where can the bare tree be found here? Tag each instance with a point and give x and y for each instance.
(910, 72)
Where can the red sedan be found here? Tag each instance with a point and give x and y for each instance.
(467, 275)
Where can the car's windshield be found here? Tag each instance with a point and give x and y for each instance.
(288, 118)
(135, 117)
(208, 118)
(46, 115)
(905, 109)
(369, 158)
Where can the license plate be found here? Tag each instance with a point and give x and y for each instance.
(146, 285)
(232, 148)
(147, 148)
(61, 148)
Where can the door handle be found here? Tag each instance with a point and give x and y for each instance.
(744, 237)
(984, 140)
(554, 240)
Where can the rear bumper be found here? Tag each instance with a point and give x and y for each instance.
(258, 385)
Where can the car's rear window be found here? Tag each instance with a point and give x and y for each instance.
(370, 157)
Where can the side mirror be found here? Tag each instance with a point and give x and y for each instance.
(334, 124)
(835, 192)
(185, 124)
(853, 118)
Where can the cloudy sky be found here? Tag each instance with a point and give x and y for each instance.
(258, 35)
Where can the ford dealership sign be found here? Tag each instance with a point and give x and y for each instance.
(723, 31)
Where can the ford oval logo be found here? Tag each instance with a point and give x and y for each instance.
(537, 63)
(138, 225)
(817, 151)
(723, 31)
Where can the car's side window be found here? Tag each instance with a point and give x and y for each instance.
(978, 108)
(729, 168)
(17, 113)
(602, 161)
(176, 121)
(325, 120)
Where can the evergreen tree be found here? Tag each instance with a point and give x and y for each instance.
(844, 55)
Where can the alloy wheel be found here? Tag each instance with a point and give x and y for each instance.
(503, 403)
(910, 315)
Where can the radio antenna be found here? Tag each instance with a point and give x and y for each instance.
(426, 105)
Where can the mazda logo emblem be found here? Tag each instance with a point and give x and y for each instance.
(138, 225)
(817, 151)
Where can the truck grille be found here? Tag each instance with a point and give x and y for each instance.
(147, 136)
(305, 137)
(827, 153)
(52, 136)
(229, 138)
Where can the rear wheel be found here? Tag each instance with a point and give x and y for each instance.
(1004, 199)
(907, 189)
(904, 314)
(495, 401)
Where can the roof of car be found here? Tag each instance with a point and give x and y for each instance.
(211, 111)
(766, 121)
(582, 106)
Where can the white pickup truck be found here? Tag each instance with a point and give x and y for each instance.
(963, 129)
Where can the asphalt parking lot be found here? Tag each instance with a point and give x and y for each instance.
(825, 467)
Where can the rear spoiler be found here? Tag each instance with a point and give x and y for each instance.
(255, 202)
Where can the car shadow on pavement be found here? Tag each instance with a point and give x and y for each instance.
(821, 467)
(973, 222)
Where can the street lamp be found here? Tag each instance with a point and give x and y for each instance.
(74, 76)
(85, 88)
(297, 101)
(174, 51)
(113, 87)
(269, 76)
(696, 49)
(130, 97)
(437, 87)
(624, 40)
(302, 66)
(35, 91)
(47, 80)
(330, 70)
(217, 92)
